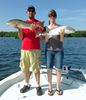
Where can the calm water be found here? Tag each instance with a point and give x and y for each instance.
(74, 50)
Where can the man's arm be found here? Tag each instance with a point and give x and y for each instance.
(20, 35)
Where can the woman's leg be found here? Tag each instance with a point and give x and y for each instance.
(49, 71)
(58, 79)
(58, 63)
(49, 76)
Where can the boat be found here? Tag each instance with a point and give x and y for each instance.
(73, 84)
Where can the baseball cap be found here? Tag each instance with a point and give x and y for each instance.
(31, 8)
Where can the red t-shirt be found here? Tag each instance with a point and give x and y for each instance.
(30, 41)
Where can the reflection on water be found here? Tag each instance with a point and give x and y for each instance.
(74, 50)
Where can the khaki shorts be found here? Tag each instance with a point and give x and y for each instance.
(30, 60)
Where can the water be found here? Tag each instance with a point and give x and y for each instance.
(74, 50)
(9, 56)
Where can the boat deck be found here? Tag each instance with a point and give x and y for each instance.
(71, 87)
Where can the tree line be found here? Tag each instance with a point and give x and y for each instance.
(14, 34)
(9, 34)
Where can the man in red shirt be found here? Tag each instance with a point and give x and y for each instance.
(30, 52)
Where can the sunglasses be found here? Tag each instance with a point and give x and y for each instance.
(31, 11)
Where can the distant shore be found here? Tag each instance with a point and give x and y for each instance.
(14, 34)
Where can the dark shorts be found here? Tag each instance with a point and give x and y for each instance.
(54, 58)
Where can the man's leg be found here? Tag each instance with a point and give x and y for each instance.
(35, 67)
(38, 88)
(37, 77)
(26, 86)
(25, 65)
(26, 76)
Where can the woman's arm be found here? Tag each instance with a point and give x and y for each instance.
(46, 37)
(61, 35)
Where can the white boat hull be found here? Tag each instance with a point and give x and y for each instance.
(10, 88)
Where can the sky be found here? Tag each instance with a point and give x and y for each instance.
(69, 12)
